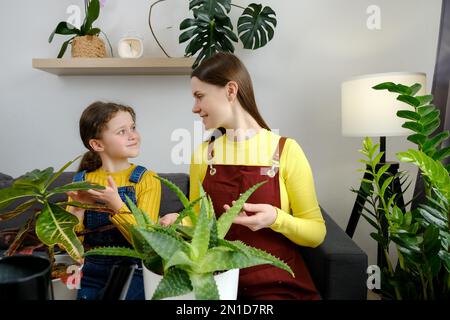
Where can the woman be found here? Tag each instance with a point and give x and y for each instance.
(280, 215)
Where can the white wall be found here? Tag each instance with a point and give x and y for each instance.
(297, 78)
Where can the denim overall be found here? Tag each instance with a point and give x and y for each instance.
(96, 269)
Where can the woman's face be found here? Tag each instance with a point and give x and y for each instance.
(211, 104)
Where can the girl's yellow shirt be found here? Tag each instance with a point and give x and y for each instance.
(148, 195)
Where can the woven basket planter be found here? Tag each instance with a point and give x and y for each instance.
(88, 47)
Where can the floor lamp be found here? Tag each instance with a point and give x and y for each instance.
(367, 112)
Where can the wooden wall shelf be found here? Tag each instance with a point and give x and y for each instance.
(115, 66)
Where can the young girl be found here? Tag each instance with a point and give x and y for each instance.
(108, 130)
(280, 215)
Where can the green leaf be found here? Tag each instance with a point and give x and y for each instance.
(174, 283)
(20, 236)
(76, 186)
(417, 138)
(114, 251)
(424, 110)
(200, 240)
(433, 216)
(60, 171)
(440, 154)
(56, 226)
(430, 117)
(211, 6)
(18, 210)
(93, 13)
(7, 195)
(435, 141)
(138, 214)
(165, 245)
(430, 168)
(392, 87)
(414, 126)
(386, 183)
(431, 127)
(415, 88)
(63, 28)
(36, 179)
(93, 32)
(256, 26)
(64, 48)
(188, 211)
(409, 100)
(410, 115)
(139, 243)
(204, 286)
(424, 99)
(226, 219)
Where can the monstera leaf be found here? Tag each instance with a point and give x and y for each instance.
(256, 26)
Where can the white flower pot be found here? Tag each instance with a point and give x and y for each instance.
(60, 290)
(227, 283)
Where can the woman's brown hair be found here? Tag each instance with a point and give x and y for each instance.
(92, 122)
(222, 68)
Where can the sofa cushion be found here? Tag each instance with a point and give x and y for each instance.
(169, 200)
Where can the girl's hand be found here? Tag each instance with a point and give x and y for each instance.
(109, 196)
(262, 215)
(168, 219)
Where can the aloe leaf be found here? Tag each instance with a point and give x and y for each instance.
(139, 242)
(174, 283)
(18, 210)
(137, 213)
(226, 219)
(113, 251)
(188, 211)
(181, 260)
(200, 240)
(204, 286)
(164, 244)
(56, 226)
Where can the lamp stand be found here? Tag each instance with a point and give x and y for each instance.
(362, 198)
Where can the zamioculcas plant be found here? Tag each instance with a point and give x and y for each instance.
(189, 256)
(53, 224)
(92, 11)
(421, 235)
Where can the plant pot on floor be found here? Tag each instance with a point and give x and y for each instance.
(88, 47)
(227, 284)
(61, 289)
(25, 277)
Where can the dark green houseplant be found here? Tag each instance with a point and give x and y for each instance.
(53, 225)
(421, 235)
(189, 256)
(92, 12)
(211, 30)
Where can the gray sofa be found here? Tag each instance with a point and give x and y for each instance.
(338, 266)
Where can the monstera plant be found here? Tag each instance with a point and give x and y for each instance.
(53, 224)
(190, 256)
(421, 236)
(211, 30)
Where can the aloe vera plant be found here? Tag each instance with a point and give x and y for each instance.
(189, 256)
(53, 224)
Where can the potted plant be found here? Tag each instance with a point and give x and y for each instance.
(422, 235)
(187, 258)
(49, 226)
(211, 30)
(85, 41)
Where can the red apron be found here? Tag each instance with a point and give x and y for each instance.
(225, 183)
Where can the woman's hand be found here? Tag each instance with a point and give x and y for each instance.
(262, 215)
(108, 196)
(168, 219)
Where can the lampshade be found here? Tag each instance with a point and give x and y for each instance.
(373, 113)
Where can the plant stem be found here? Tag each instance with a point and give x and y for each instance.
(151, 28)
(235, 5)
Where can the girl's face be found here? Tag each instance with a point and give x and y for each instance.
(120, 139)
(211, 104)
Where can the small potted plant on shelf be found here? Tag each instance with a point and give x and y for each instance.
(50, 225)
(191, 261)
(85, 40)
(211, 30)
(421, 235)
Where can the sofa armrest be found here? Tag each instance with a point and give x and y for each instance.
(338, 266)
